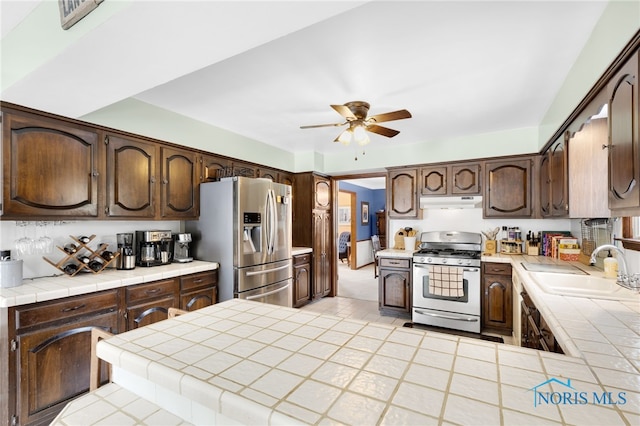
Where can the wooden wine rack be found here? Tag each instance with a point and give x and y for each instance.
(82, 249)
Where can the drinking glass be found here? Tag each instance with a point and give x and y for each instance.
(24, 244)
(44, 244)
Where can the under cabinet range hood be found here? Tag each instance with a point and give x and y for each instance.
(459, 202)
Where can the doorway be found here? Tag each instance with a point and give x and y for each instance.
(358, 199)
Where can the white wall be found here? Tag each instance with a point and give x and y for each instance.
(35, 266)
(470, 220)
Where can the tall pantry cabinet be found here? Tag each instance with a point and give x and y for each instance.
(312, 227)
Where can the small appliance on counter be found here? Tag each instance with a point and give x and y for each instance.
(154, 248)
(10, 270)
(127, 258)
(181, 252)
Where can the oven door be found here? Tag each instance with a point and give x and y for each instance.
(466, 303)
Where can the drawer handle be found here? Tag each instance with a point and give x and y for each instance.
(198, 281)
(154, 291)
(75, 308)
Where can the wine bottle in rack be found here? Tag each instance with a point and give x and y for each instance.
(71, 248)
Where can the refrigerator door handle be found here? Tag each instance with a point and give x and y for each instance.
(271, 220)
(266, 271)
(269, 293)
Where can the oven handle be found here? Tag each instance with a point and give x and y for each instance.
(467, 319)
(423, 266)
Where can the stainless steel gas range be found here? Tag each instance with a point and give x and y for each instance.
(446, 280)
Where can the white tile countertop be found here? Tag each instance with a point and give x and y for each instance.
(296, 251)
(55, 287)
(407, 254)
(250, 363)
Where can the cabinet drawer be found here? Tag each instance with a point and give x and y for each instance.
(71, 307)
(302, 259)
(200, 280)
(394, 263)
(152, 290)
(496, 268)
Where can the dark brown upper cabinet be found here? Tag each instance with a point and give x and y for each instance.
(402, 196)
(179, 190)
(51, 168)
(451, 179)
(624, 154)
(554, 180)
(508, 191)
(131, 177)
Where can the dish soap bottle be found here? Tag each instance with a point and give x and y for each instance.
(610, 266)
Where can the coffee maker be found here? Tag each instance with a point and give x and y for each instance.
(181, 248)
(126, 259)
(154, 248)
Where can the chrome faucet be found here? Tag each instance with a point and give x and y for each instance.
(624, 279)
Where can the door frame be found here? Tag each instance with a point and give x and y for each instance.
(334, 211)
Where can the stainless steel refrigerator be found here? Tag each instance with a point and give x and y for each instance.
(245, 225)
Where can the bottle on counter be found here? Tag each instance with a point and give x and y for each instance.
(610, 266)
(70, 268)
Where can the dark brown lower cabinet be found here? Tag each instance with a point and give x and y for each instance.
(198, 290)
(497, 308)
(535, 332)
(301, 279)
(394, 284)
(48, 346)
(52, 342)
(149, 303)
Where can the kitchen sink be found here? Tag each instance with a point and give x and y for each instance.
(557, 268)
(582, 286)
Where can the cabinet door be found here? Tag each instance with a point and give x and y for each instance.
(272, 175)
(301, 284)
(394, 290)
(588, 191)
(559, 187)
(131, 177)
(321, 253)
(508, 188)
(624, 155)
(50, 168)
(286, 178)
(150, 312)
(198, 299)
(544, 180)
(179, 189)
(322, 193)
(402, 196)
(465, 179)
(53, 367)
(497, 310)
(211, 167)
(434, 180)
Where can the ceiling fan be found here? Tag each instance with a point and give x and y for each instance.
(356, 115)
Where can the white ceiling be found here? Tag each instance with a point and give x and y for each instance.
(262, 69)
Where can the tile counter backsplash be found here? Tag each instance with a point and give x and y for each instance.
(105, 231)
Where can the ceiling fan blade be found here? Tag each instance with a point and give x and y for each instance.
(390, 116)
(384, 131)
(313, 126)
(344, 111)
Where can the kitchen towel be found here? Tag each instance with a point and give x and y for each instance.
(445, 281)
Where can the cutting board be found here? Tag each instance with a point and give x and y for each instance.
(398, 239)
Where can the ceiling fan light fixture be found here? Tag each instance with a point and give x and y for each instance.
(345, 137)
(359, 134)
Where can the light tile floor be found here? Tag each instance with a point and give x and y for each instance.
(358, 299)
